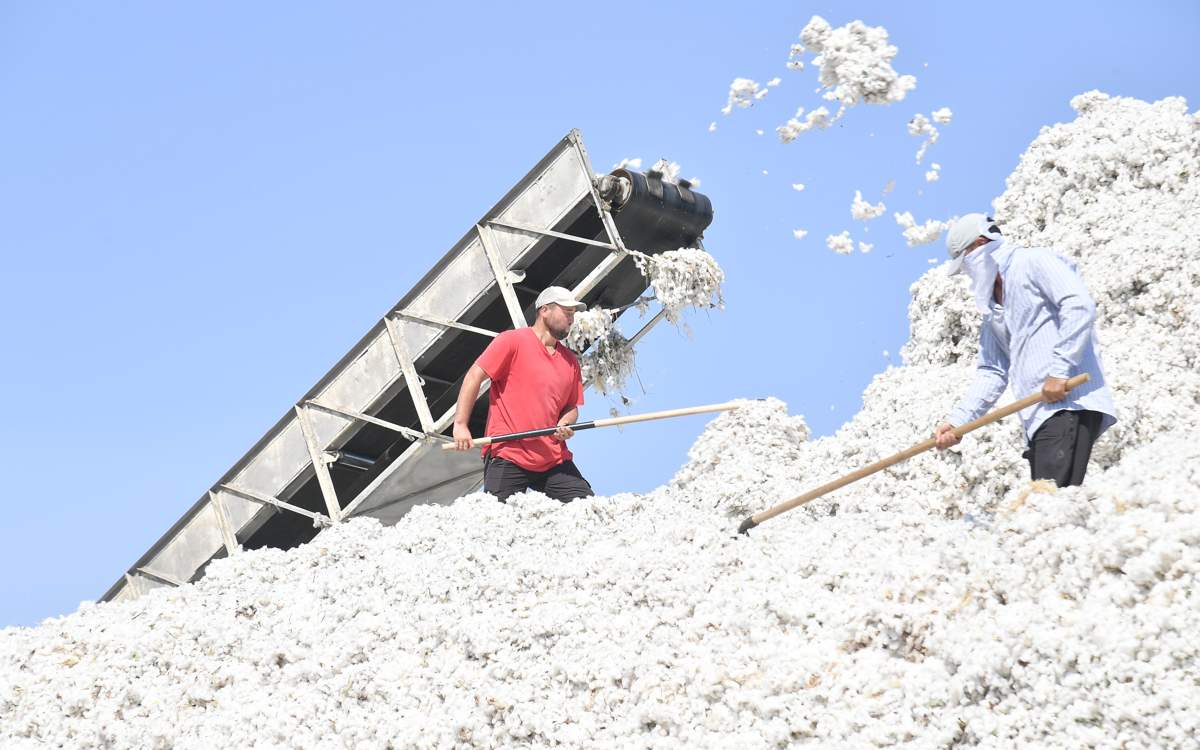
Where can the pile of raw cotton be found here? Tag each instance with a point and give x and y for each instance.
(945, 602)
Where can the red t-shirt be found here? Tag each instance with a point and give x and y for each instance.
(531, 388)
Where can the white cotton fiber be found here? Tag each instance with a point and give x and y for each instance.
(945, 602)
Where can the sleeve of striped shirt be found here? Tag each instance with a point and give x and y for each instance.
(991, 378)
(1067, 295)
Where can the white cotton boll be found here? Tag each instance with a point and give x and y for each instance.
(942, 116)
(683, 278)
(712, 127)
(764, 171)
(668, 169)
(889, 187)
(919, 234)
(934, 173)
(742, 93)
(854, 63)
(798, 187)
(946, 601)
(861, 210)
(818, 118)
(628, 163)
(799, 233)
(840, 243)
(759, 131)
(794, 54)
(774, 82)
(865, 247)
(920, 125)
(885, 353)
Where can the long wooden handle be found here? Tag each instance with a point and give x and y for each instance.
(606, 422)
(904, 455)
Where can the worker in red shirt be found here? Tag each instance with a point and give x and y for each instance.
(535, 383)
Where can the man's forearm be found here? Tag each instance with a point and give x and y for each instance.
(467, 395)
(570, 416)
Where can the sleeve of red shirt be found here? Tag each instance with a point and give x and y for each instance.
(496, 359)
(578, 385)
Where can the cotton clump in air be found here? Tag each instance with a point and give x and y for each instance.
(794, 54)
(818, 118)
(861, 210)
(742, 93)
(798, 187)
(934, 172)
(840, 243)
(668, 169)
(920, 125)
(919, 234)
(865, 247)
(799, 233)
(628, 163)
(946, 602)
(854, 63)
(942, 116)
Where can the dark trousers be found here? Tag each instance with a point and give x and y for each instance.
(563, 482)
(1061, 447)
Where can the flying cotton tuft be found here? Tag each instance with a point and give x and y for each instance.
(742, 93)
(864, 211)
(920, 234)
(855, 63)
(840, 243)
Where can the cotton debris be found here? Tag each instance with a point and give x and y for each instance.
(683, 278)
(789, 131)
(935, 171)
(840, 243)
(742, 93)
(854, 63)
(919, 234)
(946, 602)
(861, 210)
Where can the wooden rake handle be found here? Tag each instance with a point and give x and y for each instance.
(904, 455)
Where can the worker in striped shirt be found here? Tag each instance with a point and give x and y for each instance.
(1038, 330)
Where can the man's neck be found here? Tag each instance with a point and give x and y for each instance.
(544, 335)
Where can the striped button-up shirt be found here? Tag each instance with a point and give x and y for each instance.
(1044, 328)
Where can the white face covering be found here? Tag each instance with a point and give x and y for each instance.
(982, 268)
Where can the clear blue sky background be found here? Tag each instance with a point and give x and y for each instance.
(203, 206)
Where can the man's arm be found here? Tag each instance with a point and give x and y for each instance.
(569, 417)
(1066, 292)
(466, 402)
(991, 378)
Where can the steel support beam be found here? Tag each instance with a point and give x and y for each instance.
(275, 502)
(412, 381)
(227, 535)
(316, 454)
(435, 321)
(549, 233)
(500, 271)
(162, 577)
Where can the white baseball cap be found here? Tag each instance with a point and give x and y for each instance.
(559, 296)
(963, 231)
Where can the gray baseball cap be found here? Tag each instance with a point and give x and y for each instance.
(559, 296)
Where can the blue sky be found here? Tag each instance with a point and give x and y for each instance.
(204, 206)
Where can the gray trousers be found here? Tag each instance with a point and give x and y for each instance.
(1062, 446)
